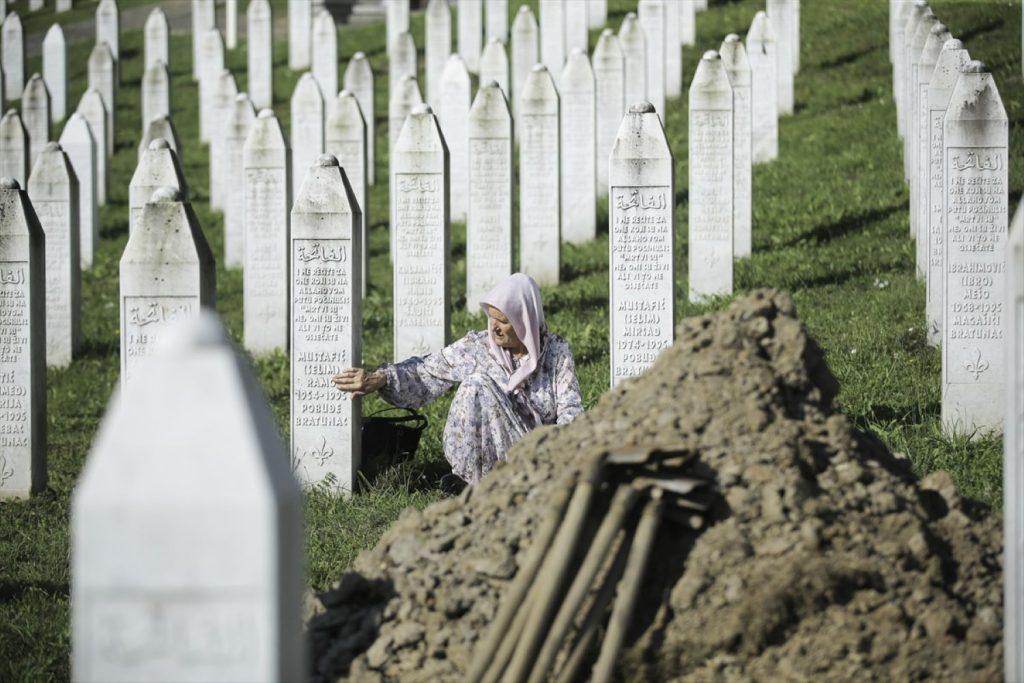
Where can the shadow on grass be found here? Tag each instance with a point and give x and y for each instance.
(13, 590)
(976, 31)
(849, 57)
(96, 348)
(826, 232)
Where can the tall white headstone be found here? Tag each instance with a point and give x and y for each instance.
(359, 82)
(260, 22)
(579, 149)
(951, 61)
(231, 24)
(204, 18)
(158, 168)
(403, 99)
(496, 20)
(103, 79)
(919, 12)
(108, 26)
(307, 126)
(401, 59)
(456, 94)
(610, 84)
(326, 326)
(470, 26)
(23, 362)
(673, 50)
(345, 139)
(35, 112)
(438, 47)
(239, 124)
(1013, 459)
(325, 54)
(224, 95)
(157, 36)
(53, 189)
(161, 127)
(63, 6)
(525, 53)
(597, 14)
(14, 147)
(975, 140)
(12, 39)
(711, 180)
(781, 14)
(211, 64)
(540, 205)
(764, 96)
(575, 21)
(919, 198)
(913, 118)
(794, 31)
(421, 224)
(494, 65)
(397, 19)
(634, 52)
(79, 144)
(156, 93)
(641, 243)
(95, 113)
(55, 69)
(300, 27)
(266, 162)
(552, 35)
(902, 11)
(489, 224)
(651, 15)
(162, 544)
(737, 66)
(687, 23)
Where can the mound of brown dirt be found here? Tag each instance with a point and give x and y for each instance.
(824, 558)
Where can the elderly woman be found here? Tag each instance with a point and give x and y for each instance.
(512, 378)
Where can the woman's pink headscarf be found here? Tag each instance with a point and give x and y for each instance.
(518, 297)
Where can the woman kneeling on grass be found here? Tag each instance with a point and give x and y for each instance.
(513, 377)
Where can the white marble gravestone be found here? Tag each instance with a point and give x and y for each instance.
(951, 61)
(53, 189)
(634, 53)
(359, 82)
(552, 35)
(307, 126)
(403, 99)
(266, 163)
(237, 131)
(156, 92)
(711, 180)
(781, 14)
(917, 14)
(161, 128)
(673, 50)
(231, 24)
(204, 18)
(540, 205)
(525, 53)
(326, 326)
(198, 535)
(737, 67)
(489, 223)
(470, 26)
(157, 37)
(687, 23)
(63, 6)
(496, 20)
(224, 95)
(211, 64)
(919, 200)
(597, 13)
(108, 26)
(158, 168)
(401, 59)
(610, 98)
(421, 224)
(78, 143)
(35, 113)
(259, 36)
(23, 361)
(575, 22)
(325, 55)
(579, 151)
(903, 10)
(456, 96)
(345, 139)
(1013, 459)
(103, 79)
(397, 19)
(94, 112)
(14, 148)
(55, 69)
(300, 27)
(975, 160)
(438, 47)
(764, 95)
(794, 30)
(35, 5)
(166, 274)
(12, 39)
(651, 15)
(494, 65)
(641, 243)
(913, 119)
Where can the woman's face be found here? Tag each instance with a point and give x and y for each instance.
(501, 329)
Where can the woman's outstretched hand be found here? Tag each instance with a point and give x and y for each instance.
(359, 382)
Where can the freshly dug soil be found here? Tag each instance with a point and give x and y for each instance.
(824, 558)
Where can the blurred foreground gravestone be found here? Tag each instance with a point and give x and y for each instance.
(1013, 460)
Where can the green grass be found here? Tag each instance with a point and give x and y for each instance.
(830, 226)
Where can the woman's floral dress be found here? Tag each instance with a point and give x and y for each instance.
(484, 421)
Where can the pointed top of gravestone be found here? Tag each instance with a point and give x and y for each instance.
(608, 48)
(265, 114)
(489, 116)
(242, 97)
(102, 53)
(631, 16)
(407, 94)
(731, 38)
(577, 75)
(265, 145)
(11, 112)
(524, 20)
(491, 84)
(160, 127)
(538, 68)
(52, 146)
(359, 55)
(324, 191)
(346, 115)
(166, 194)
(710, 88)
(932, 48)
(159, 143)
(576, 52)
(524, 9)
(953, 44)
(422, 108)
(35, 77)
(711, 55)
(737, 64)
(326, 161)
(761, 30)
(639, 140)
(641, 108)
(420, 133)
(607, 32)
(345, 93)
(7, 183)
(975, 96)
(539, 95)
(975, 66)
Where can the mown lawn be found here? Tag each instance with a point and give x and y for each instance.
(830, 226)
